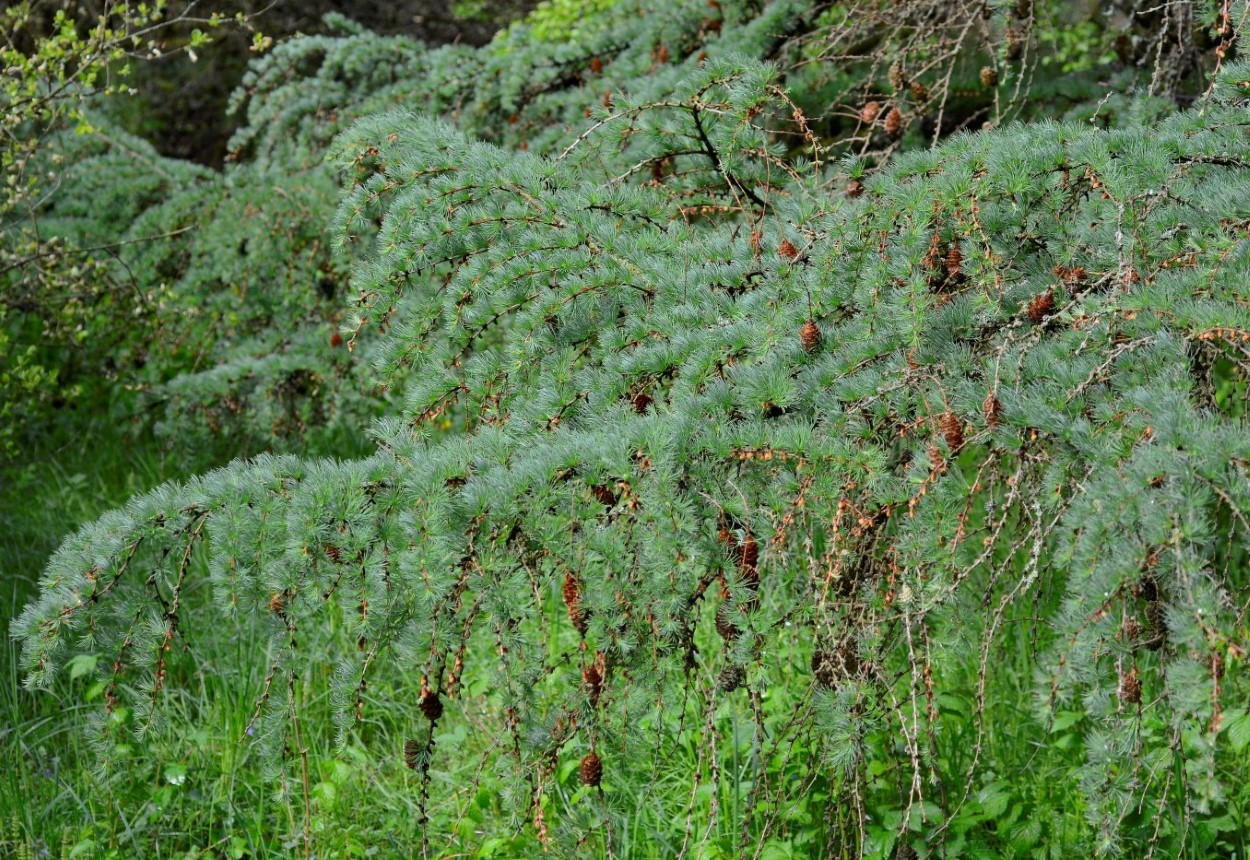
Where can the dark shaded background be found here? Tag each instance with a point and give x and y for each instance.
(181, 106)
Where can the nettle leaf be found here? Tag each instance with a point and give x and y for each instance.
(1238, 730)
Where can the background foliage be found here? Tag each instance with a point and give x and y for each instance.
(784, 451)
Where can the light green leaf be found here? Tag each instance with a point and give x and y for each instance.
(82, 664)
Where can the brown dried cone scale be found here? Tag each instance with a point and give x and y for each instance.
(730, 678)
(591, 770)
(952, 430)
(786, 249)
(1130, 688)
(989, 76)
(1157, 629)
(412, 754)
(869, 112)
(1040, 306)
(854, 189)
(430, 704)
(809, 336)
(919, 91)
(894, 122)
(572, 592)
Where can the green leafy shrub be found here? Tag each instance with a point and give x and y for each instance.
(53, 303)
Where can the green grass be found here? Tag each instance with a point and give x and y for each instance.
(196, 788)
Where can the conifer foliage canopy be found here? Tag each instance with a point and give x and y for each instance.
(684, 423)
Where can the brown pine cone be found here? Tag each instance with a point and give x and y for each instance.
(572, 593)
(593, 679)
(603, 495)
(989, 77)
(1015, 46)
(730, 678)
(937, 251)
(849, 656)
(786, 249)
(825, 669)
(809, 336)
(919, 91)
(724, 624)
(1130, 688)
(952, 430)
(591, 770)
(749, 559)
(1158, 629)
(992, 409)
(1040, 306)
(955, 262)
(412, 754)
(896, 77)
(894, 122)
(430, 705)
(854, 189)
(869, 112)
